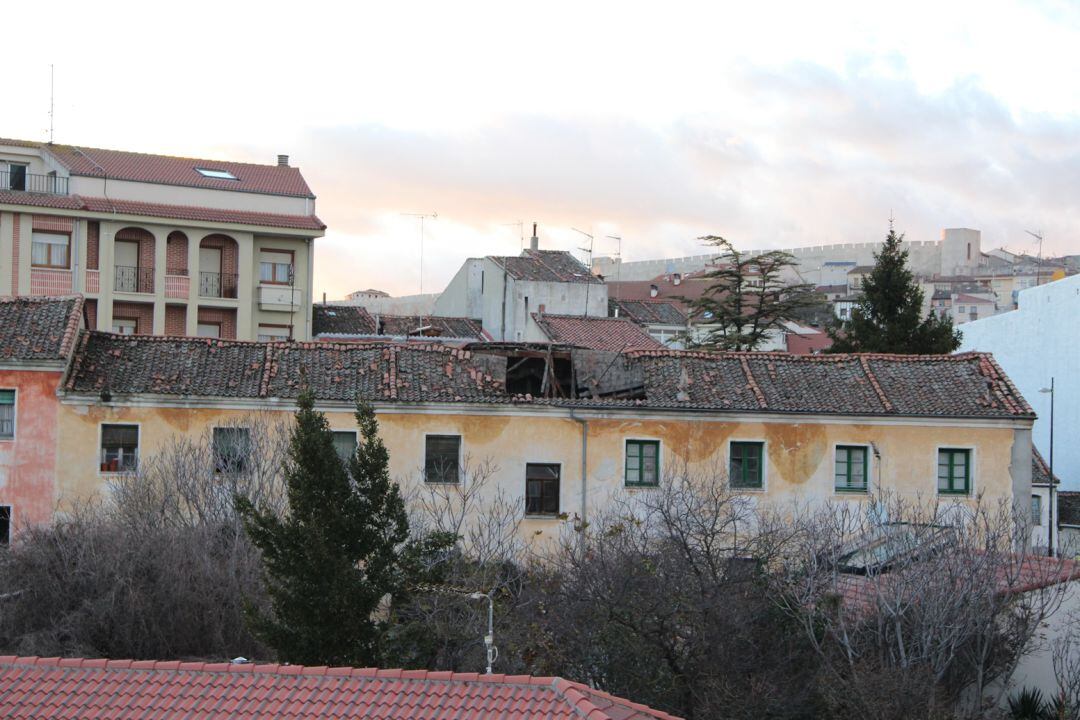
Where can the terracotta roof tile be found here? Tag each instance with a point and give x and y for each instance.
(649, 312)
(35, 329)
(967, 385)
(175, 212)
(53, 688)
(546, 266)
(171, 170)
(332, 320)
(1040, 471)
(596, 333)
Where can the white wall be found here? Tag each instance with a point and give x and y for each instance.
(1032, 344)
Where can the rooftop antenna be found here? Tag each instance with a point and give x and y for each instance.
(618, 264)
(590, 251)
(52, 96)
(520, 225)
(1038, 268)
(422, 217)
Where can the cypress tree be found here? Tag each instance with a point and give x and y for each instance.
(889, 317)
(332, 558)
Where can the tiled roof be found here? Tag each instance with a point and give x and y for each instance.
(973, 300)
(807, 344)
(966, 385)
(1040, 471)
(38, 329)
(1068, 507)
(176, 212)
(353, 320)
(546, 266)
(649, 312)
(689, 287)
(596, 333)
(170, 170)
(44, 688)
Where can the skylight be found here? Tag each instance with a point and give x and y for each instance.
(216, 174)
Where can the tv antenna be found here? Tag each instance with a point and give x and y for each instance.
(520, 225)
(618, 262)
(1038, 267)
(52, 98)
(422, 217)
(589, 249)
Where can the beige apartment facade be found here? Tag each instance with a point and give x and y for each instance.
(160, 245)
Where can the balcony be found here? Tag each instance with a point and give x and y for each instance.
(282, 298)
(23, 181)
(133, 279)
(217, 285)
(176, 284)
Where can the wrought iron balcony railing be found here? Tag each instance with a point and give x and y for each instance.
(23, 181)
(217, 285)
(134, 279)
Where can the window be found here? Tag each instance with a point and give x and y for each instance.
(642, 463)
(232, 446)
(270, 333)
(541, 489)
(850, 468)
(954, 472)
(125, 326)
(49, 250)
(16, 177)
(5, 524)
(119, 448)
(275, 267)
(1036, 510)
(7, 414)
(442, 455)
(345, 444)
(744, 470)
(216, 174)
(208, 330)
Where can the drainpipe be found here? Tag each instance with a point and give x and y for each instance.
(584, 464)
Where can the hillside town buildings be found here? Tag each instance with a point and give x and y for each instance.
(157, 244)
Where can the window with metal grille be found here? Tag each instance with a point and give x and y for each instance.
(541, 489)
(119, 448)
(232, 447)
(744, 469)
(7, 414)
(442, 457)
(642, 463)
(850, 470)
(954, 472)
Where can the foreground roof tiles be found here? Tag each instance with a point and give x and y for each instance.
(171, 170)
(176, 212)
(38, 329)
(546, 266)
(44, 688)
(596, 333)
(966, 385)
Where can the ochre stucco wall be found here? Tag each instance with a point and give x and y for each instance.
(799, 455)
(28, 463)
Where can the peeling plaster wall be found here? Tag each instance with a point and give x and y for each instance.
(799, 455)
(28, 462)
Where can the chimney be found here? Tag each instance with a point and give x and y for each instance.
(653, 291)
(534, 241)
(283, 160)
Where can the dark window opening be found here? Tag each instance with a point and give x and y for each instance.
(541, 489)
(442, 456)
(745, 466)
(7, 414)
(532, 376)
(345, 444)
(5, 524)
(119, 448)
(232, 447)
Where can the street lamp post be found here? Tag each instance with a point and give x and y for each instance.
(489, 639)
(1050, 529)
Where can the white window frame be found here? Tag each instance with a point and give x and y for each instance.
(138, 446)
(215, 174)
(134, 326)
(14, 416)
(764, 465)
(199, 325)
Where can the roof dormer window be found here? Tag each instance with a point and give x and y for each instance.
(216, 174)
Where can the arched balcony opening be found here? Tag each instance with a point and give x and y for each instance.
(133, 261)
(219, 263)
(177, 282)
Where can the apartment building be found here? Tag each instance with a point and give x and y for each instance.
(160, 245)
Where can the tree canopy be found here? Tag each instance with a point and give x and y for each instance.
(889, 316)
(748, 297)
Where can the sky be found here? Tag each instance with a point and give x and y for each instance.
(772, 124)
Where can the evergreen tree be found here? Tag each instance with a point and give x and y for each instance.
(748, 297)
(332, 559)
(888, 318)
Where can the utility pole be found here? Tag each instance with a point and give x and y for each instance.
(422, 217)
(52, 98)
(1050, 519)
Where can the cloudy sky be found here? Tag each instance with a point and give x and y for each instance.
(776, 125)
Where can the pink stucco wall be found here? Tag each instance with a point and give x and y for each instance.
(28, 463)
